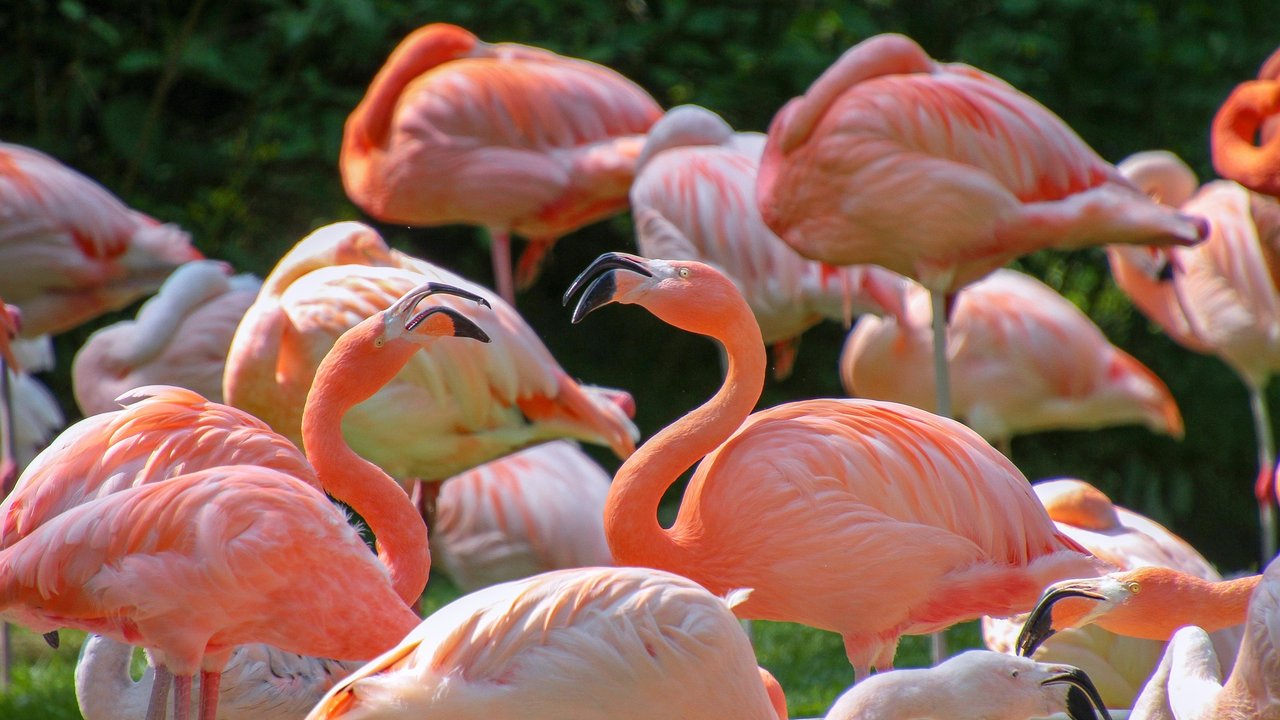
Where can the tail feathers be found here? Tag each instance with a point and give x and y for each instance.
(585, 413)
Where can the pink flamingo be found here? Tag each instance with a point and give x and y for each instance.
(530, 141)
(1118, 665)
(198, 303)
(694, 199)
(592, 643)
(1220, 297)
(533, 511)
(984, 173)
(451, 408)
(870, 519)
(1251, 112)
(1028, 359)
(71, 250)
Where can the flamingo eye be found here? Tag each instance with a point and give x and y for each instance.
(379, 342)
(683, 272)
(1014, 674)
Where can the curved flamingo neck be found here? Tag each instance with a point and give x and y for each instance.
(630, 519)
(1162, 608)
(341, 382)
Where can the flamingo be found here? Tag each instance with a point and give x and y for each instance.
(1028, 360)
(71, 250)
(694, 199)
(526, 141)
(975, 685)
(1119, 665)
(452, 408)
(1220, 297)
(1249, 113)
(199, 303)
(867, 518)
(533, 511)
(258, 682)
(983, 172)
(615, 643)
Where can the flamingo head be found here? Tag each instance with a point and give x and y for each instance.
(686, 294)
(1073, 603)
(403, 321)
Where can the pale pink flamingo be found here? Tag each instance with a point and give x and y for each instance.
(1222, 296)
(591, 643)
(259, 682)
(1027, 360)
(694, 199)
(1118, 665)
(511, 137)
(1245, 135)
(200, 304)
(940, 172)
(975, 685)
(70, 250)
(533, 511)
(451, 408)
(869, 519)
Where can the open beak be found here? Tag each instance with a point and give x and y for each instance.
(1039, 624)
(1083, 700)
(402, 311)
(462, 325)
(600, 275)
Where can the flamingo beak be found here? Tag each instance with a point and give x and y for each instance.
(1084, 702)
(1039, 624)
(459, 325)
(603, 284)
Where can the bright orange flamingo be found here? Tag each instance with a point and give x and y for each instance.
(70, 250)
(984, 173)
(1118, 665)
(514, 138)
(451, 408)
(694, 199)
(1220, 297)
(533, 511)
(592, 644)
(1245, 135)
(200, 304)
(1027, 360)
(869, 519)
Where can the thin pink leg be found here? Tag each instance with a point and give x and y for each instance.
(500, 249)
(209, 682)
(182, 696)
(159, 693)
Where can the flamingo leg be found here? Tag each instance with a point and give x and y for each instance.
(1266, 463)
(156, 709)
(182, 696)
(942, 385)
(209, 683)
(8, 476)
(500, 250)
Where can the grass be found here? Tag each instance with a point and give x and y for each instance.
(809, 663)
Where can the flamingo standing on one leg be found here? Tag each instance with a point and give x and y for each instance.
(984, 173)
(870, 519)
(591, 644)
(511, 137)
(1245, 135)
(1220, 297)
(694, 199)
(1027, 359)
(198, 303)
(70, 250)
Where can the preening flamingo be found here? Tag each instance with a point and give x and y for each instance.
(866, 518)
(511, 137)
(201, 305)
(1220, 297)
(592, 643)
(70, 250)
(975, 685)
(451, 408)
(1026, 359)
(694, 199)
(533, 511)
(1245, 135)
(984, 172)
(1189, 682)
(1118, 665)
(259, 682)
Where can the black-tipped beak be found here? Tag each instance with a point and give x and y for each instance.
(1084, 702)
(1039, 624)
(463, 326)
(51, 638)
(410, 300)
(600, 275)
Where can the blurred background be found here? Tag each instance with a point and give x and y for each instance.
(226, 117)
